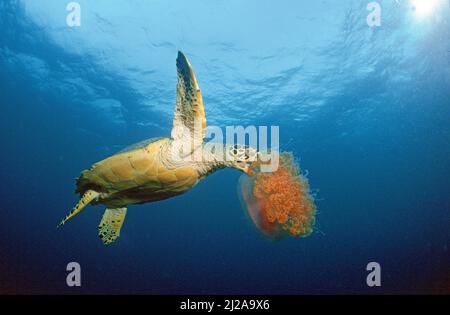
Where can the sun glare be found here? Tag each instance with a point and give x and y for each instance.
(424, 8)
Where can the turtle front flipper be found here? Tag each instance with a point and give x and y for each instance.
(87, 197)
(189, 120)
(110, 225)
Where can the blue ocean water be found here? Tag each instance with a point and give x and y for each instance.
(365, 109)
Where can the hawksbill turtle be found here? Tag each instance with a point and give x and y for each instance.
(161, 168)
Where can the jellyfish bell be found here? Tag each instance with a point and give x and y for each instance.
(278, 203)
(255, 209)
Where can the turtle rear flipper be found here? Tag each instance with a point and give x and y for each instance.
(110, 225)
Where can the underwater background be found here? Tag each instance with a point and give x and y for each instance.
(365, 109)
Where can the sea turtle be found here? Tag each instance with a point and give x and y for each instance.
(160, 168)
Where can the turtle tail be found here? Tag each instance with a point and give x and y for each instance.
(87, 197)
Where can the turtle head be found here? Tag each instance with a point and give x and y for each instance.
(215, 155)
(241, 157)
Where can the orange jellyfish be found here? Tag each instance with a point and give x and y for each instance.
(279, 203)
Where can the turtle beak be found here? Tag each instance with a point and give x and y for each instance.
(248, 170)
(250, 166)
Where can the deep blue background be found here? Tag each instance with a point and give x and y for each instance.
(366, 110)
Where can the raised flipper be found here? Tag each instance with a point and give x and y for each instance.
(88, 196)
(110, 225)
(189, 121)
